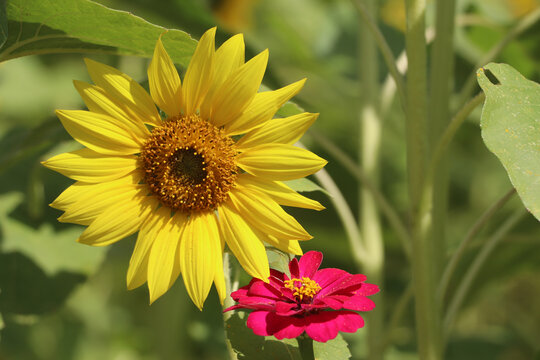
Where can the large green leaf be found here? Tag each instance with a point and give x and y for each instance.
(26, 289)
(82, 26)
(52, 250)
(511, 128)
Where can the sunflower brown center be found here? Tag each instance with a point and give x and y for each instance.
(189, 164)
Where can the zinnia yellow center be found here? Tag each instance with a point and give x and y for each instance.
(303, 287)
(189, 164)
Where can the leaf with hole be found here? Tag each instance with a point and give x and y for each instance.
(511, 128)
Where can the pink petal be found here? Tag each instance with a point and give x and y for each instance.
(283, 308)
(367, 289)
(277, 278)
(354, 282)
(359, 303)
(331, 280)
(325, 277)
(240, 293)
(294, 269)
(325, 325)
(260, 288)
(334, 302)
(264, 323)
(309, 263)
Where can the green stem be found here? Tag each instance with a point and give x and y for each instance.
(441, 84)
(368, 155)
(228, 302)
(397, 314)
(478, 225)
(382, 202)
(386, 52)
(425, 263)
(525, 23)
(305, 346)
(451, 130)
(474, 268)
(345, 214)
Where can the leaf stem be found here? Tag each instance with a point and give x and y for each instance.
(386, 52)
(451, 130)
(474, 268)
(345, 214)
(384, 205)
(523, 24)
(477, 226)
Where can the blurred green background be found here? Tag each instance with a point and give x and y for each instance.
(62, 300)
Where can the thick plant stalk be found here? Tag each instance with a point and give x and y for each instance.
(428, 322)
(441, 83)
(370, 139)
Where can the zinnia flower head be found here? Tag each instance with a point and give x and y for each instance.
(310, 300)
(186, 180)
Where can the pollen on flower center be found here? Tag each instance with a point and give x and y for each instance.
(189, 164)
(304, 287)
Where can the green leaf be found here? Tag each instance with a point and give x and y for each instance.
(3, 23)
(336, 349)
(250, 346)
(511, 128)
(53, 251)
(304, 185)
(82, 26)
(28, 290)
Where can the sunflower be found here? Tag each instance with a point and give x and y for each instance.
(205, 172)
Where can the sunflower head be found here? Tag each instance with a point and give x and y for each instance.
(208, 173)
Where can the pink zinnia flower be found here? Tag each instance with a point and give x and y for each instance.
(311, 300)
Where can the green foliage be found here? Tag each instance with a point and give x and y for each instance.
(3, 23)
(81, 26)
(511, 128)
(249, 346)
(304, 185)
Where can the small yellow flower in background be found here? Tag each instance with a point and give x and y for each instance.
(235, 15)
(189, 184)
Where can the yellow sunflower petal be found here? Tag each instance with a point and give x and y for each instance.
(89, 166)
(199, 251)
(163, 264)
(262, 108)
(229, 57)
(119, 221)
(285, 245)
(101, 133)
(279, 192)
(164, 82)
(282, 131)
(71, 195)
(243, 242)
(98, 101)
(238, 90)
(82, 190)
(219, 280)
(265, 214)
(125, 89)
(279, 162)
(199, 73)
(138, 264)
(96, 202)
